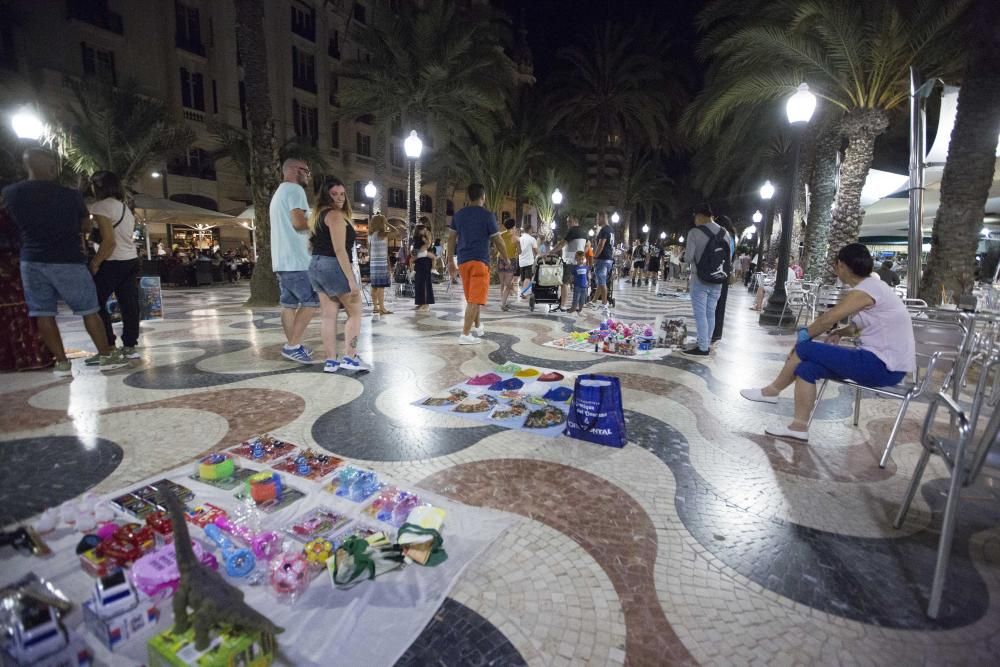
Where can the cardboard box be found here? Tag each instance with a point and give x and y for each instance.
(227, 649)
(115, 631)
(76, 653)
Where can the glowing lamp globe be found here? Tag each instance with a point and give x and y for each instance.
(766, 190)
(615, 217)
(27, 125)
(663, 235)
(413, 146)
(645, 229)
(557, 197)
(757, 217)
(680, 240)
(371, 190)
(801, 105)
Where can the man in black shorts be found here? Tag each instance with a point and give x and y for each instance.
(574, 242)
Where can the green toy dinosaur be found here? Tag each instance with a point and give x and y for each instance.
(212, 600)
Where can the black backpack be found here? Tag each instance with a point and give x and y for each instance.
(716, 261)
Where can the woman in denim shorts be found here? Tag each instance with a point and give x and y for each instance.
(332, 275)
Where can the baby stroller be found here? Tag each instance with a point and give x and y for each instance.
(547, 281)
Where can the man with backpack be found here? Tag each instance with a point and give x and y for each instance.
(708, 250)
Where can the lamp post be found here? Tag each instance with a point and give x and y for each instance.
(413, 147)
(557, 199)
(799, 108)
(162, 177)
(615, 218)
(663, 236)
(645, 230)
(766, 194)
(370, 192)
(27, 125)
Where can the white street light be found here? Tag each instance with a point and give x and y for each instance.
(27, 125)
(371, 190)
(590, 233)
(615, 218)
(985, 232)
(750, 231)
(766, 190)
(156, 174)
(645, 229)
(801, 105)
(552, 225)
(557, 197)
(413, 146)
(757, 217)
(663, 235)
(680, 240)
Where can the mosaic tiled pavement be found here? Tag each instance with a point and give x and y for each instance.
(701, 542)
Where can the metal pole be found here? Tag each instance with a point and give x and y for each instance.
(411, 221)
(915, 237)
(145, 230)
(776, 304)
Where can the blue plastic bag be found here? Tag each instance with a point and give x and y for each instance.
(595, 413)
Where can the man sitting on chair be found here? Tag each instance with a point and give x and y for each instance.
(886, 354)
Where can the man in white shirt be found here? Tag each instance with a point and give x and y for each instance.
(290, 257)
(526, 260)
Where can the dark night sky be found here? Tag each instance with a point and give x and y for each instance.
(553, 24)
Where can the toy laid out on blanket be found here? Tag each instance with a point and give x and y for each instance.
(212, 601)
(672, 333)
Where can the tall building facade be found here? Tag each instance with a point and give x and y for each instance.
(184, 52)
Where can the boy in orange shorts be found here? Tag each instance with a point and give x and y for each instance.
(472, 230)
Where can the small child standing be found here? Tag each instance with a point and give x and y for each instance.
(580, 281)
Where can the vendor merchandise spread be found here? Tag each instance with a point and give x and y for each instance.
(614, 337)
(254, 539)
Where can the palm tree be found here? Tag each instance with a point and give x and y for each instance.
(969, 170)
(823, 191)
(434, 68)
(614, 93)
(234, 144)
(643, 184)
(263, 159)
(539, 195)
(117, 129)
(499, 166)
(855, 57)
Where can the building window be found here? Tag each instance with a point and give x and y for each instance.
(364, 145)
(192, 90)
(303, 70)
(335, 136)
(96, 13)
(426, 204)
(188, 32)
(243, 105)
(397, 198)
(360, 13)
(99, 62)
(333, 48)
(359, 192)
(396, 155)
(304, 20)
(306, 121)
(215, 97)
(197, 163)
(334, 90)
(367, 119)
(396, 128)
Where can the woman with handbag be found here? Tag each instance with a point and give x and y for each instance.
(116, 264)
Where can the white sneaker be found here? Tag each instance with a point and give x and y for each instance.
(355, 365)
(757, 396)
(478, 331)
(785, 432)
(469, 340)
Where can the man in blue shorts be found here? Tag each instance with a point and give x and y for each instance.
(51, 219)
(290, 257)
(603, 259)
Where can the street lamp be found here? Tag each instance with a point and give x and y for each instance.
(615, 218)
(645, 230)
(799, 108)
(757, 217)
(590, 233)
(680, 239)
(766, 190)
(663, 236)
(370, 192)
(413, 147)
(27, 125)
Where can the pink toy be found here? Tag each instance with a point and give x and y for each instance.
(157, 571)
(289, 574)
(106, 531)
(265, 544)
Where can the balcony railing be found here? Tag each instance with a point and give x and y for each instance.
(96, 14)
(194, 114)
(190, 46)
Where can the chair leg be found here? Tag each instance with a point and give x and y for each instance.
(819, 396)
(857, 405)
(895, 429)
(911, 492)
(947, 531)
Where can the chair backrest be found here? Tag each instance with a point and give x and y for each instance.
(940, 344)
(914, 303)
(983, 417)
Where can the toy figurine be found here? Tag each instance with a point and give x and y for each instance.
(213, 602)
(317, 551)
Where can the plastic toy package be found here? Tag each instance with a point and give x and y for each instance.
(319, 522)
(221, 471)
(309, 464)
(264, 449)
(142, 501)
(392, 506)
(268, 491)
(354, 484)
